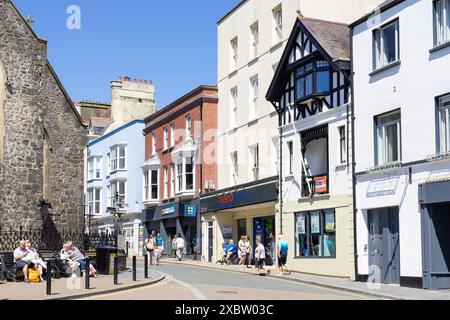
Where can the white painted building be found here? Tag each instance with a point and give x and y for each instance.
(251, 40)
(401, 62)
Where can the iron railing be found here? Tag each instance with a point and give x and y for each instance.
(53, 241)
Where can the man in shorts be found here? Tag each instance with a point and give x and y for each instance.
(282, 253)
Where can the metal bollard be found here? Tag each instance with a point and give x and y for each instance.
(49, 277)
(87, 279)
(146, 265)
(116, 271)
(134, 268)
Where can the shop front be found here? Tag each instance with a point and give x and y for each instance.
(244, 210)
(173, 219)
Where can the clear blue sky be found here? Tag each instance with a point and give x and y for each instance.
(172, 42)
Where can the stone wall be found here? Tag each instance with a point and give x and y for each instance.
(37, 105)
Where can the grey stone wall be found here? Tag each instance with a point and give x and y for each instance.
(36, 105)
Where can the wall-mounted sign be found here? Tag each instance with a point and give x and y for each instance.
(315, 222)
(190, 211)
(320, 184)
(168, 210)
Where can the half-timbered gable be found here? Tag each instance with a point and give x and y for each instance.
(313, 74)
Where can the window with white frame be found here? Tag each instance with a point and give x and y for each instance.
(185, 174)
(234, 53)
(254, 90)
(342, 145)
(94, 168)
(172, 180)
(188, 126)
(172, 134)
(386, 45)
(153, 143)
(444, 123)
(151, 185)
(166, 138)
(254, 31)
(166, 182)
(277, 13)
(441, 21)
(290, 147)
(234, 168)
(94, 200)
(388, 139)
(118, 158)
(233, 107)
(254, 150)
(120, 188)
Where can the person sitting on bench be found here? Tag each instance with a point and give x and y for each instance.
(73, 256)
(20, 255)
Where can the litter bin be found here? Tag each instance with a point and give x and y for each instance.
(105, 260)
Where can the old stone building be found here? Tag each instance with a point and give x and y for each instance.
(42, 136)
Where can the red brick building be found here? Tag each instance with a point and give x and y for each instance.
(180, 151)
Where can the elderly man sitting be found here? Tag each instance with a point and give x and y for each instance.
(20, 258)
(230, 250)
(73, 256)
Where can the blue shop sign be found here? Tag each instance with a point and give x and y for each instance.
(190, 210)
(168, 210)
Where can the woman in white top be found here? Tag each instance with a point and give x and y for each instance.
(242, 251)
(34, 257)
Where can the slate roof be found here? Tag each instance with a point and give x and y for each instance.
(334, 37)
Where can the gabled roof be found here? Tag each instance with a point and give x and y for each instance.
(332, 39)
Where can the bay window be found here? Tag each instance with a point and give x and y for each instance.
(151, 185)
(185, 174)
(441, 22)
(315, 234)
(120, 188)
(386, 45)
(94, 168)
(444, 124)
(94, 201)
(312, 79)
(388, 138)
(118, 158)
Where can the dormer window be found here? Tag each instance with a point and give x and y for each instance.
(312, 79)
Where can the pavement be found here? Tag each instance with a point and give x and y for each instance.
(69, 289)
(380, 291)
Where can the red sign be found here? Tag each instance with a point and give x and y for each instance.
(226, 199)
(320, 184)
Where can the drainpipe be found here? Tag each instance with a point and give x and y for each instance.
(199, 220)
(354, 180)
(280, 175)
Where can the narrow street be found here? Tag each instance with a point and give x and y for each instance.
(194, 283)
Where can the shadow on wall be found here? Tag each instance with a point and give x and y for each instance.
(50, 234)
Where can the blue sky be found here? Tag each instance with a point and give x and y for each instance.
(172, 42)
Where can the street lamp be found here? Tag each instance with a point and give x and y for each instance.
(118, 205)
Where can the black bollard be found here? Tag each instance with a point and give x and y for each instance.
(87, 279)
(146, 265)
(134, 268)
(49, 277)
(116, 271)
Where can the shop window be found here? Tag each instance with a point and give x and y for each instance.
(315, 234)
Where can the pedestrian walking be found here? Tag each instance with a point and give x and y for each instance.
(242, 251)
(282, 253)
(150, 244)
(248, 251)
(159, 248)
(174, 246)
(180, 247)
(260, 257)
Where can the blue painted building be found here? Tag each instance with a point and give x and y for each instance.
(114, 168)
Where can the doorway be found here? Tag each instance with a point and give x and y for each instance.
(384, 245)
(436, 246)
(264, 229)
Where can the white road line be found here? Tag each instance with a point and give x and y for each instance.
(194, 290)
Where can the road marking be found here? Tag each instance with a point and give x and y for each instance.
(194, 290)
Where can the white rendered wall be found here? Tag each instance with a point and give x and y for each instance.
(412, 87)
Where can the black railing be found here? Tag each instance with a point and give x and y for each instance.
(53, 241)
(319, 184)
